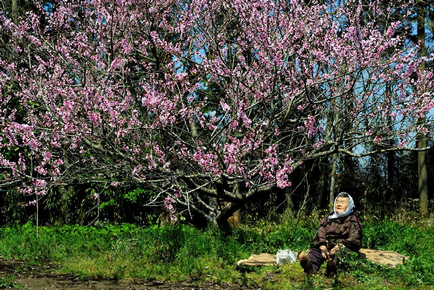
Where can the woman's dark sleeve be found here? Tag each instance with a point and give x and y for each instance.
(354, 241)
(320, 236)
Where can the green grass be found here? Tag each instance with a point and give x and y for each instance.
(184, 253)
(6, 281)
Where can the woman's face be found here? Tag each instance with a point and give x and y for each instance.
(341, 204)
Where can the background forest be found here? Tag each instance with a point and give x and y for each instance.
(368, 187)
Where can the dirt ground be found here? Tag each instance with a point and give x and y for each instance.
(17, 274)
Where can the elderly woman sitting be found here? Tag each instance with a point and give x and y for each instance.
(340, 231)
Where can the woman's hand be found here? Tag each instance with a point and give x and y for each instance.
(324, 252)
(336, 249)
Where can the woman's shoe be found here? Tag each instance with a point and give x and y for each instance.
(306, 264)
(331, 268)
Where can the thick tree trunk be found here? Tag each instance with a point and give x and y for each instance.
(422, 139)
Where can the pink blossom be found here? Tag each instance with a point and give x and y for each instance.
(378, 139)
(40, 183)
(225, 106)
(369, 132)
(115, 183)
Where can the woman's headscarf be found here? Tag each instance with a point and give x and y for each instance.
(350, 207)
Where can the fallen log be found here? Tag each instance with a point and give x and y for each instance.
(385, 258)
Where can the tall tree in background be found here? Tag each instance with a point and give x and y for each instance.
(422, 136)
(199, 101)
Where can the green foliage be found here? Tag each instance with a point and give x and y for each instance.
(181, 252)
(413, 240)
(12, 210)
(7, 281)
(268, 237)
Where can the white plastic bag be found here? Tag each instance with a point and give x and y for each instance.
(285, 256)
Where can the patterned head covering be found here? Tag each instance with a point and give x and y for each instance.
(350, 207)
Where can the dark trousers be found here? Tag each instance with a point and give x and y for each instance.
(317, 259)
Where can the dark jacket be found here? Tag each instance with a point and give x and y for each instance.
(346, 230)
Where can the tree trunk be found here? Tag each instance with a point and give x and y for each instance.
(14, 11)
(333, 178)
(423, 179)
(391, 160)
(422, 139)
(288, 193)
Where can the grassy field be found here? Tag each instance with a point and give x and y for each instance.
(183, 253)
